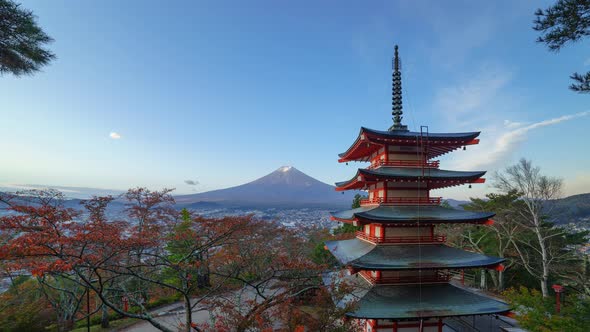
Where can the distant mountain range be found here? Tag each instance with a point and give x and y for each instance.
(70, 192)
(285, 187)
(573, 209)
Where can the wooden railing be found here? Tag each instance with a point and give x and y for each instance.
(402, 201)
(438, 277)
(405, 163)
(402, 239)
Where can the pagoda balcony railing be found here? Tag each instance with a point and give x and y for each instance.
(402, 239)
(402, 201)
(438, 277)
(405, 163)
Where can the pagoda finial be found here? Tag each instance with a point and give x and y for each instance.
(396, 91)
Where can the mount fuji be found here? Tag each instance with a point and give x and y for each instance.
(285, 187)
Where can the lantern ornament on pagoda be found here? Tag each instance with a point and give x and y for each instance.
(400, 263)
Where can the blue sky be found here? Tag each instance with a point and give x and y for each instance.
(224, 92)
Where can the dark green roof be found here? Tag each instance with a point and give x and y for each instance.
(412, 135)
(364, 255)
(416, 135)
(423, 301)
(414, 174)
(409, 214)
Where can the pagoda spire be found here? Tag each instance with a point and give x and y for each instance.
(396, 92)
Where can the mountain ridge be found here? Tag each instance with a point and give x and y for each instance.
(286, 186)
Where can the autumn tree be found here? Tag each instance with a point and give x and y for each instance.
(272, 270)
(566, 21)
(22, 42)
(122, 261)
(113, 259)
(42, 214)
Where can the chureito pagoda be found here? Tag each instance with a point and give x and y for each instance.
(400, 264)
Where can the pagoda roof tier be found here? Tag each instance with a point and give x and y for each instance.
(369, 141)
(435, 178)
(408, 302)
(360, 254)
(400, 215)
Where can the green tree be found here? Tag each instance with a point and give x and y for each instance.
(356, 201)
(349, 228)
(446, 204)
(537, 313)
(23, 307)
(567, 21)
(496, 239)
(320, 255)
(181, 246)
(345, 228)
(22, 41)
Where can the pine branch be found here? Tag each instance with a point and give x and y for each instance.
(582, 84)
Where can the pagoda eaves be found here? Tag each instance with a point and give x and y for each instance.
(370, 140)
(409, 215)
(434, 178)
(423, 302)
(360, 254)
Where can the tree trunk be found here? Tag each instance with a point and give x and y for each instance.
(544, 259)
(500, 280)
(104, 318)
(544, 289)
(187, 313)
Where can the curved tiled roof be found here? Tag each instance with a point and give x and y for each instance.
(415, 134)
(364, 255)
(451, 140)
(424, 301)
(405, 173)
(411, 214)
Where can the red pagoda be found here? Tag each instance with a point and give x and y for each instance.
(397, 258)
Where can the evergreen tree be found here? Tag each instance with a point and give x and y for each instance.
(567, 21)
(349, 228)
(22, 41)
(536, 313)
(356, 201)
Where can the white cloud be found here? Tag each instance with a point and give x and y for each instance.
(114, 135)
(511, 124)
(473, 95)
(489, 155)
